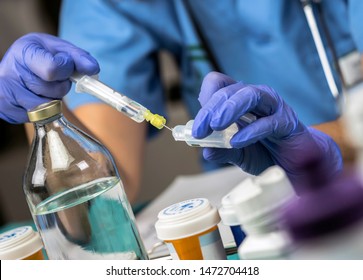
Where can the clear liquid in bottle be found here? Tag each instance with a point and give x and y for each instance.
(96, 210)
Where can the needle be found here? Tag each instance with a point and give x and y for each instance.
(168, 127)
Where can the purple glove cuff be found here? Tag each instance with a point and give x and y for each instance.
(323, 152)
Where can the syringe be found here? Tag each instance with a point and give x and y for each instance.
(120, 102)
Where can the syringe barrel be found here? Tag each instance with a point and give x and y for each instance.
(120, 102)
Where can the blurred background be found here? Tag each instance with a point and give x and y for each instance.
(164, 155)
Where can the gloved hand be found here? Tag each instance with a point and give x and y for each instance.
(277, 137)
(35, 70)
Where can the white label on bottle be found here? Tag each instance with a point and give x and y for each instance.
(212, 246)
(172, 251)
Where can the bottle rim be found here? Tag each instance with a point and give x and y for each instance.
(45, 111)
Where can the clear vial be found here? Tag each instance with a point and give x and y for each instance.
(217, 139)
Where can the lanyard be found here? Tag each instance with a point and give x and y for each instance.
(309, 14)
(313, 26)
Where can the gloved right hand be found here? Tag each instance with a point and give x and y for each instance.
(277, 137)
(35, 70)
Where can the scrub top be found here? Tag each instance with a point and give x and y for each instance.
(258, 42)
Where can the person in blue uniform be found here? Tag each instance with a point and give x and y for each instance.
(257, 42)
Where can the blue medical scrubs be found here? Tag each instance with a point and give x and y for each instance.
(258, 42)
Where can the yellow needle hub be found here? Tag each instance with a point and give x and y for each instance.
(155, 119)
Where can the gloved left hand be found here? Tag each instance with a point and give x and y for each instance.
(35, 70)
(277, 137)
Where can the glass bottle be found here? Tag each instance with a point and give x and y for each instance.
(75, 194)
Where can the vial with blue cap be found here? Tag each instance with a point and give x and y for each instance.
(230, 219)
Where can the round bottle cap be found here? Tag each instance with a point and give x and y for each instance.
(45, 111)
(19, 243)
(186, 218)
(261, 195)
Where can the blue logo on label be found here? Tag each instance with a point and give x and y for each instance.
(13, 234)
(188, 205)
(183, 207)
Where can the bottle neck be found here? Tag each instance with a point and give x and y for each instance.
(49, 120)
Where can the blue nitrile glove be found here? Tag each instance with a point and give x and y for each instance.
(36, 69)
(277, 137)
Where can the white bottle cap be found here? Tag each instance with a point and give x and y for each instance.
(19, 243)
(186, 218)
(260, 196)
(227, 212)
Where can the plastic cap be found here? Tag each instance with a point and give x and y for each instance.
(186, 218)
(179, 133)
(183, 132)
(255, 197)
(227, 212)
(45, 111)
(19, 243)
